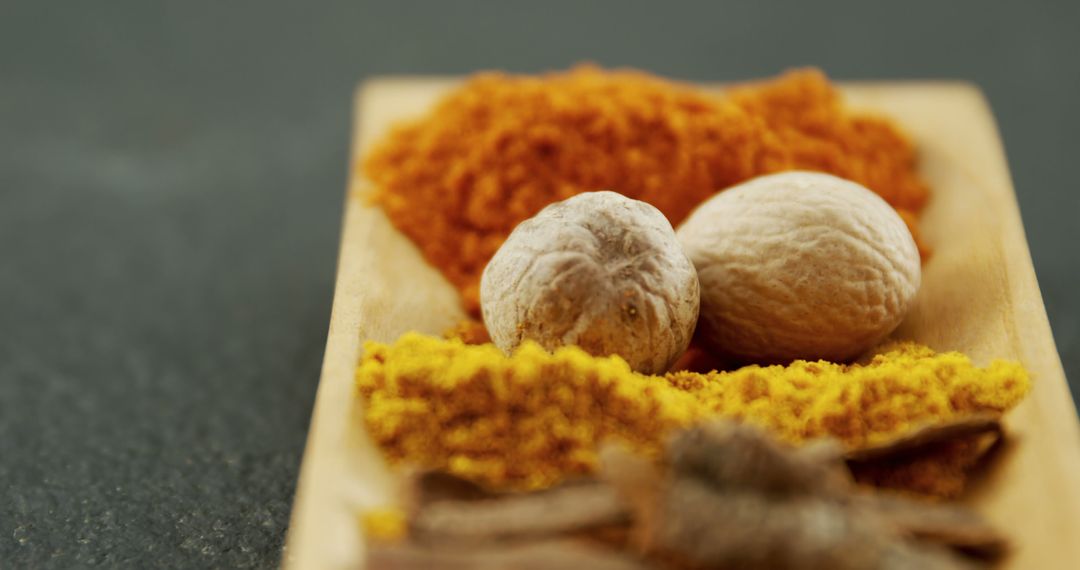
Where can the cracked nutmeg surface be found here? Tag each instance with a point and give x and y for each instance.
(800, 265)
(600, 271)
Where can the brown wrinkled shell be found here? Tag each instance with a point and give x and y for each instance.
(600, 271)
(800, 265)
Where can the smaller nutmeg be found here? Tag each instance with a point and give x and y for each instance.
(600, 271)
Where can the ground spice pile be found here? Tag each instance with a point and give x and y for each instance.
(498, 149)
(532, 419)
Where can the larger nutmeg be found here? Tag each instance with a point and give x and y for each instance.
(800, 265)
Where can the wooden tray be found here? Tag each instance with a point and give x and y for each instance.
(979, 296)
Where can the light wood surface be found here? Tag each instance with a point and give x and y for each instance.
(979, 296)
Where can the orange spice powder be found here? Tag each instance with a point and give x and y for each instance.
(495, 151)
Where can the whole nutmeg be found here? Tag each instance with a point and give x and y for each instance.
(800, 265)
(600, 271)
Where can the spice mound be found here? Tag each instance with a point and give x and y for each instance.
(529, 420)
(498, 149)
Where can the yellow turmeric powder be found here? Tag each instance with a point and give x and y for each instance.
(529, 420)
(498, 149)
(386, 524)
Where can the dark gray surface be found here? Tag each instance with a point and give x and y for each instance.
(170, 187)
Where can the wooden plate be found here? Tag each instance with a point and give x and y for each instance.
(979, 296)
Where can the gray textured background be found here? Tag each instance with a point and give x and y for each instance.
(171, 179)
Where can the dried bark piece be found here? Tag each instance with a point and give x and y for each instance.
(735, 498)
(731, 454)
(546, 555)
(938, 470)
(724, 496)
(450, 509)
(426, 487)
(639, 483)
(933, 467)
(944, 524)
(557, 511)
(918, 439)
(753, 531)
